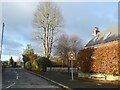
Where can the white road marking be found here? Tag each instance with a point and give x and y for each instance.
(10, 85)
(17, 76)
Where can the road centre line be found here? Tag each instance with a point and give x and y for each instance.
(17, 76)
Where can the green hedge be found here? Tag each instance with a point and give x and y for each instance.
(36, 65)
(40, 64)
(28, 65)
(43, 62)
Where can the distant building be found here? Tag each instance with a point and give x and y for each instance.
(4, 63)
(19, 64)
(101, 54)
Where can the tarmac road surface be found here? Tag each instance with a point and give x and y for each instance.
(18, 78)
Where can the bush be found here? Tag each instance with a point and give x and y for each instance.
(103, 59)
(14, 64)
(43, 63)
(28, 65)
(25, 59)
(36, 65)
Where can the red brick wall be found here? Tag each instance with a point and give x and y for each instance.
(103, 59)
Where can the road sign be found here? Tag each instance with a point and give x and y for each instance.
(71, 55)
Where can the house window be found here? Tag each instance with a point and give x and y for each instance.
(106, 35)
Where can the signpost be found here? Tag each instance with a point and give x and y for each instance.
(72, 57)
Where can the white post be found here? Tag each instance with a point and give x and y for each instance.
(72, 68)
(2, 41)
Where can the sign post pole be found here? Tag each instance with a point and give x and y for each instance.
(71, 57)
(72, 68)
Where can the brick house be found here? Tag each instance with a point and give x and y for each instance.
(101, 54)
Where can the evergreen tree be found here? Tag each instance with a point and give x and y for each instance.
(28, 52)
(11, 61)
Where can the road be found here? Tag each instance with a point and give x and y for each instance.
(19, 78)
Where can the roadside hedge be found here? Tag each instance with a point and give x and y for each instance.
(41, 63)
(28, 65)
(103, 59)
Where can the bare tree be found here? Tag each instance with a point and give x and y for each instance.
(66, 44)
(48, 20)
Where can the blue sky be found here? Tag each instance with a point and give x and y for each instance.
(79, 19)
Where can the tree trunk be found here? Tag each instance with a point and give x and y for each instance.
(50, 42)
(45, 41)
(48, 18)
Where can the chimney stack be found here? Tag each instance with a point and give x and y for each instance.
(96, 31)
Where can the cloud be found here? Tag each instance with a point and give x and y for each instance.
(18, 18)
(79, 19)
(18, 26)
(12, 43)
(15, 13)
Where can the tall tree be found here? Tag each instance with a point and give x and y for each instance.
(48, 21)
(66, 44)
(11, 61)
(27, 53)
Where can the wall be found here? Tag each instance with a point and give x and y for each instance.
(61, 69)
(101, 59)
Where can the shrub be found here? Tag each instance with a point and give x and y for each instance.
(103, 59)
(36, 65)
(28, 65)
(43, 63)
(14, 64)
(25, 59)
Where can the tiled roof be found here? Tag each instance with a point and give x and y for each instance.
(104, 37)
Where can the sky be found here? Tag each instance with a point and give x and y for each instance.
(80, 18)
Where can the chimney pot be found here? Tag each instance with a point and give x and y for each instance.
(96, 31)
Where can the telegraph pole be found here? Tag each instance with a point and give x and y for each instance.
(2, 40)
